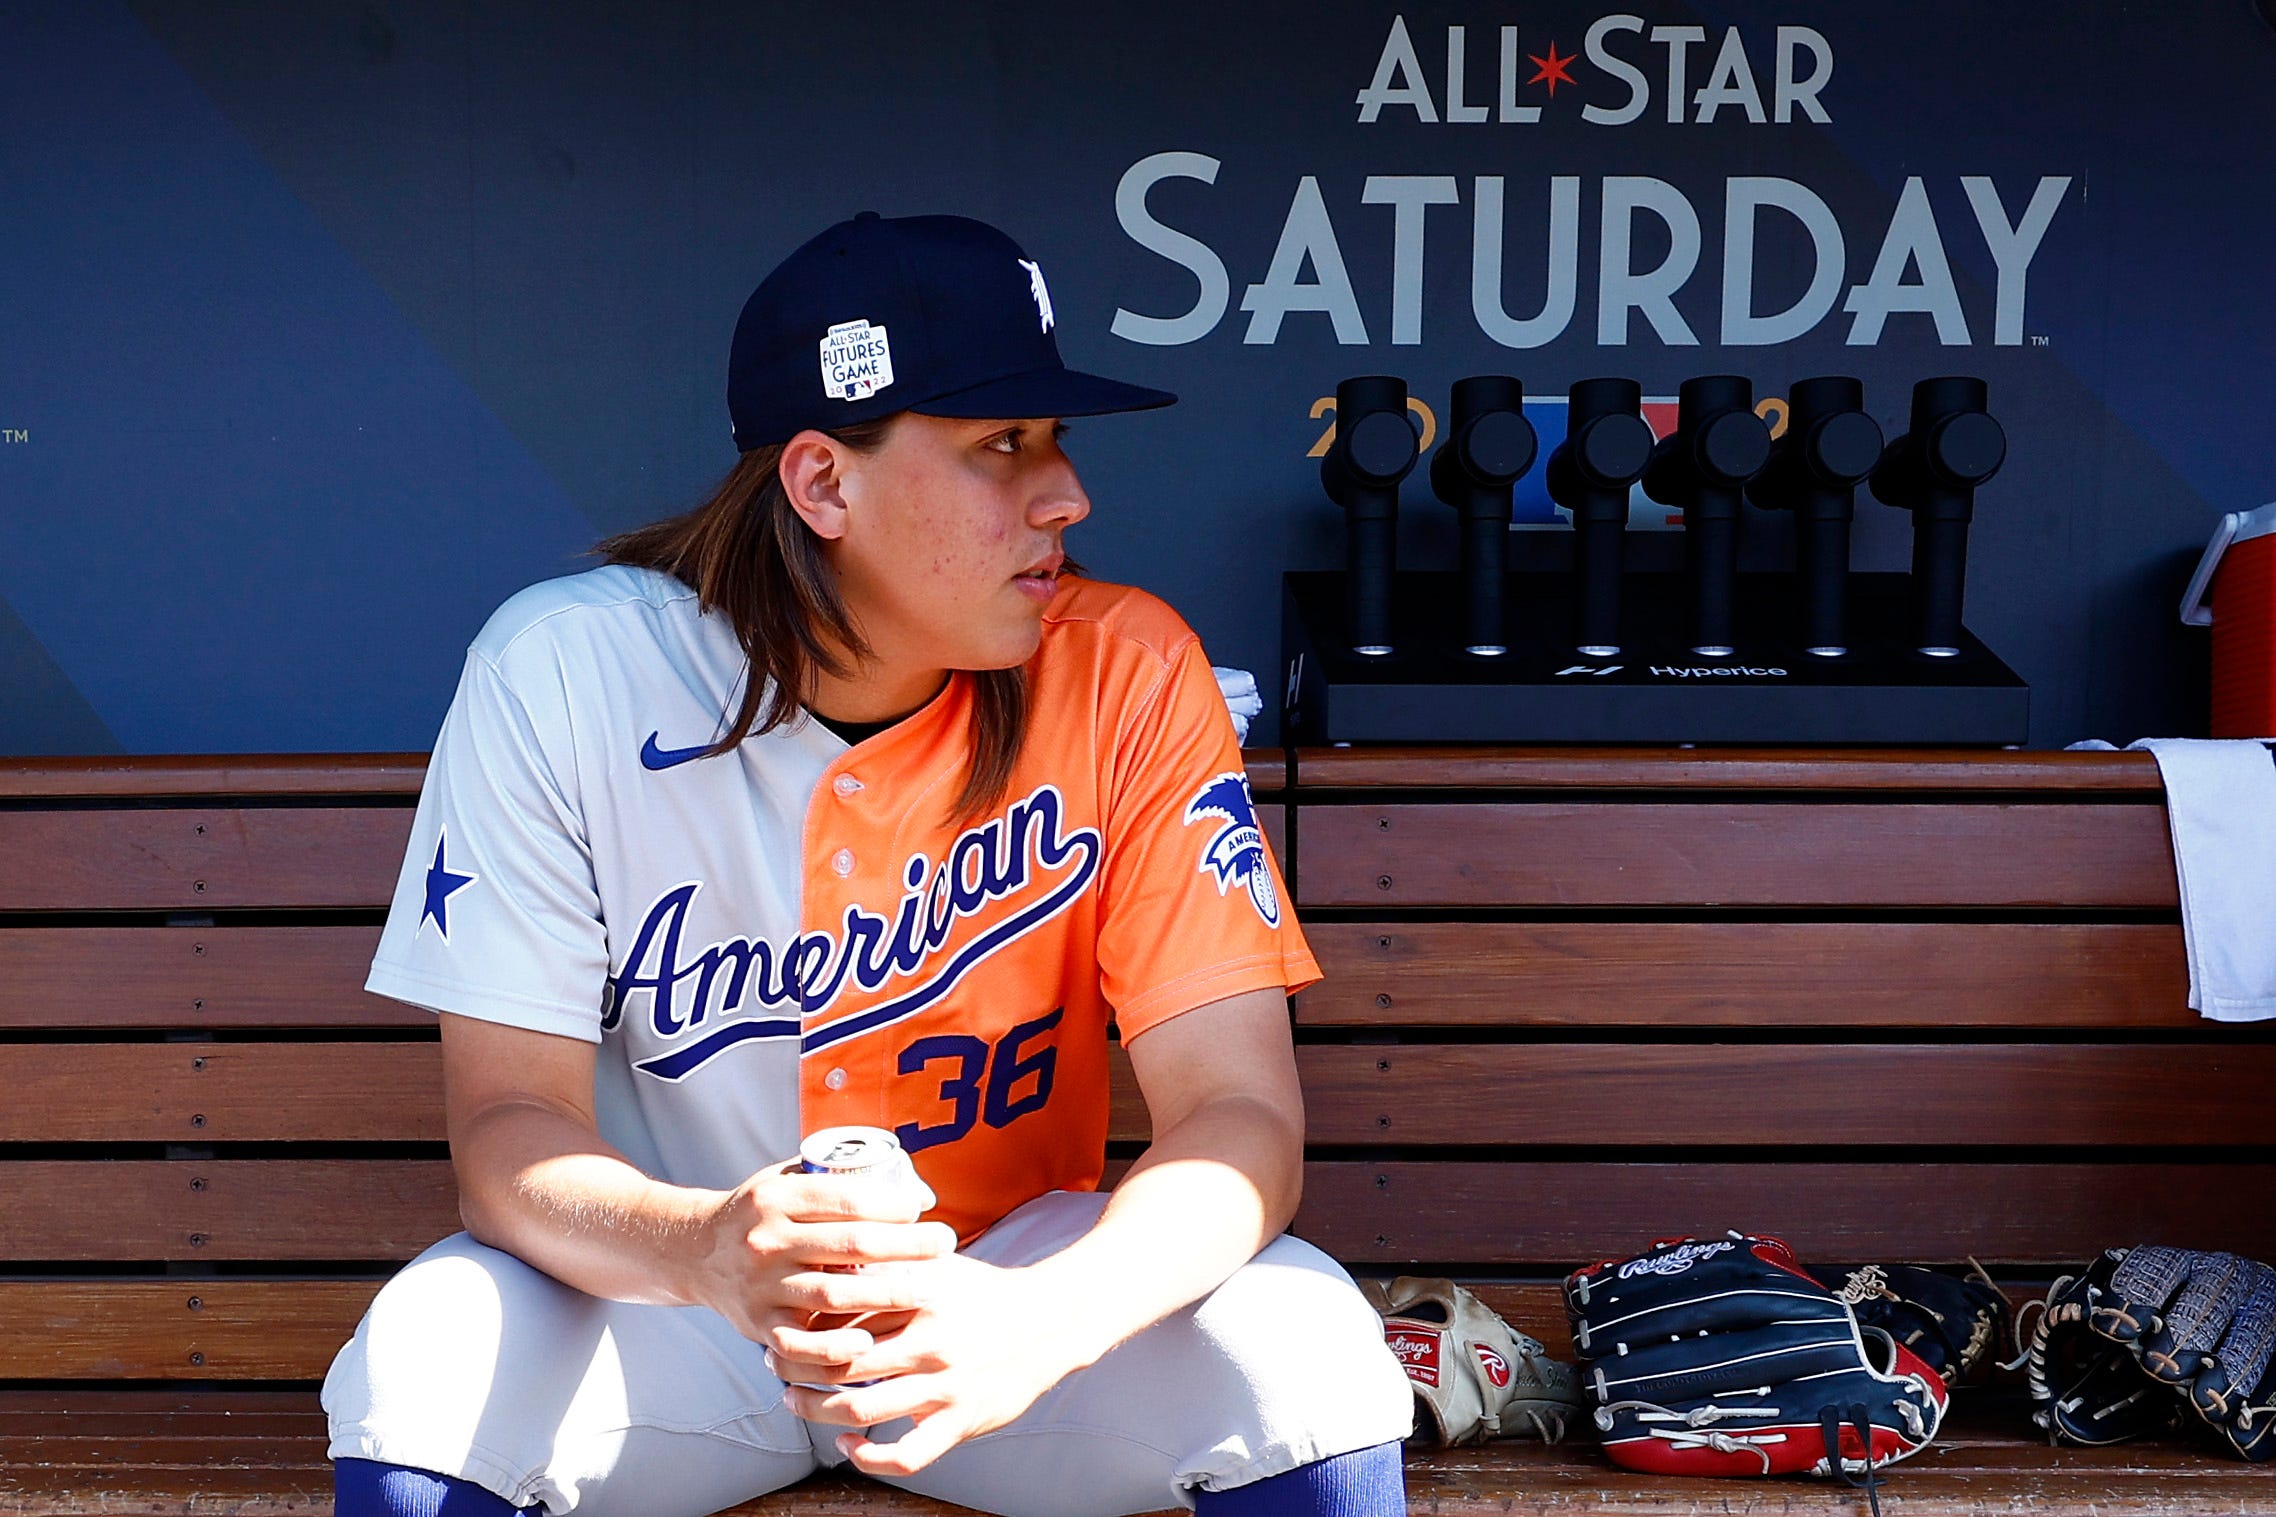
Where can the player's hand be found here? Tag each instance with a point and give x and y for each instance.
(970, 1357)
(785, 1258)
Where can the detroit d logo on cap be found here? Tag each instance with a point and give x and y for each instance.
(857, 361)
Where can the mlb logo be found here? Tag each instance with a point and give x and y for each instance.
(1531, 505)
(857, 361)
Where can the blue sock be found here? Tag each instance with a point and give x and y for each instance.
(1364, 1483)
(367, 1488)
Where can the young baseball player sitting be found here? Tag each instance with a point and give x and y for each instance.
(841, 801)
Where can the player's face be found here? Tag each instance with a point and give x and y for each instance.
(953, 540)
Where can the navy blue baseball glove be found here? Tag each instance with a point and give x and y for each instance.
(1723, 1356)
(2132, 1343)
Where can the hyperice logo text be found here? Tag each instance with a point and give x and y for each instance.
(1601, 71)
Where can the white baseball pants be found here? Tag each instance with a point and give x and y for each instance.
(473, 1364)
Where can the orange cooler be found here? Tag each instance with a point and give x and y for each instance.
(2234, 592)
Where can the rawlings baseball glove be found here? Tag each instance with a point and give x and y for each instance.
(2127, 1346)
(1952, 1322)
(1723, 1357)
(1475, 1376)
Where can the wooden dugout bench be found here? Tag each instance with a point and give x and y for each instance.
(1892, 1005)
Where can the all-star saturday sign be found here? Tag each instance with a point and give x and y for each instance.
(1624, 71)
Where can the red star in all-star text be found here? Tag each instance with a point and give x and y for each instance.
(1552, 70)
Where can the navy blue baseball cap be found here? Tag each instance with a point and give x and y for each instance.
(938, 314)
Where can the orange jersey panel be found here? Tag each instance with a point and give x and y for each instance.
(959, 976)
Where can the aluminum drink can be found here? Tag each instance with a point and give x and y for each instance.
(871, 1155)
(864, 1153)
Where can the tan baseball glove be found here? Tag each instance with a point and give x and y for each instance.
(1475, 1375)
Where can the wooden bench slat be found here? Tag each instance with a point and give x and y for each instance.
(227, 1092)
(1441, 973)
(1769, 854)
(1389, 1213)
(1392, 1214)
(221, 1092)
(197, 860)
(225, 777)
(289, 1328)
(239, 1329)
(159, 1454)
(126, 1492)
(2083, 776)
(233, 776)
(1525, 1480)
(234, 1209)
(265, 1092)
(196, 977)
(1660, 1094)
(203, 859)
(1909, 1095)
(1797, 974)
(25, 1409)
(116, 1428)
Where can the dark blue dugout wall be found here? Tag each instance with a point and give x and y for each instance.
(323, 327)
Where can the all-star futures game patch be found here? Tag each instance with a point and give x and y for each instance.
(857, 361)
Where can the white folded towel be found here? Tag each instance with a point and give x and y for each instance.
(1239, 687)
(2221, 798)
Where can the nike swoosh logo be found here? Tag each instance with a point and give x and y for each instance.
(664, 758)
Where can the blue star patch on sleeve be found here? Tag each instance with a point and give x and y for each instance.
(442, 884)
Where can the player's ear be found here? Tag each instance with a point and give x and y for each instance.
(813, 477)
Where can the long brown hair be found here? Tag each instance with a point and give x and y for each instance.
(749, 556)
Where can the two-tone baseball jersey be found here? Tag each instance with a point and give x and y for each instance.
(798, 933)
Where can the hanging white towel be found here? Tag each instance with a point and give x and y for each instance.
(2221, 798)
(1239, 687)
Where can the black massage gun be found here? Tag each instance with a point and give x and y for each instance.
(1933, 471)
(1606, 448)
(1700, 469)
(1489, 446)
(1828, 449)
(1375, 448)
